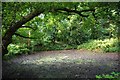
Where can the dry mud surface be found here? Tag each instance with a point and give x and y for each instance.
(61, 64)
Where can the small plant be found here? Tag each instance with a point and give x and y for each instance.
(113, 76)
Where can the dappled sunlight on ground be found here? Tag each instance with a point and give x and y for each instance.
(56, 59)
(61, 64)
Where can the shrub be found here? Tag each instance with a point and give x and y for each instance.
(17, 49)
(107, 45)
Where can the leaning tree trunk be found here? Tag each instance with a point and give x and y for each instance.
(7, 39)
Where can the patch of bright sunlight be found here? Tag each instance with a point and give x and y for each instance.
(56, 59)
(80, 61)
(47, 60)
(111, 40)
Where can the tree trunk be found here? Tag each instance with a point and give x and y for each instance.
(7, 39)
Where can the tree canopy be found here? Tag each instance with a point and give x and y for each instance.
(48, 23)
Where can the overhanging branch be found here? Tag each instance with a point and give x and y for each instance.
(28, 27)
(24, 36)
(78, 12)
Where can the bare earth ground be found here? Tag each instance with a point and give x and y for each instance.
(61, 64)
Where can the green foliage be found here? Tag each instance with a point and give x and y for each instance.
(68, 28)
(107, 45)
(57, 46)
(113, 76)
(17, 49)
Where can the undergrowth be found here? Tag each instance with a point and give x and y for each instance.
(106, 45)
(113, 76)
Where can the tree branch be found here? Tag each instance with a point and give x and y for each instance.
(78, 12)
(24, 36)
(28, 27)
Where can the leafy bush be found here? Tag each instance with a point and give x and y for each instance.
(17, 49)
(107, 45)
(115, 75)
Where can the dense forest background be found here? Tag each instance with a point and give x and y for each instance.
(30, 27)
(86, 33)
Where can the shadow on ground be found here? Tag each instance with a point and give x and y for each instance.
(60, 66)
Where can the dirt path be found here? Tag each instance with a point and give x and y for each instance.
(61, 64)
